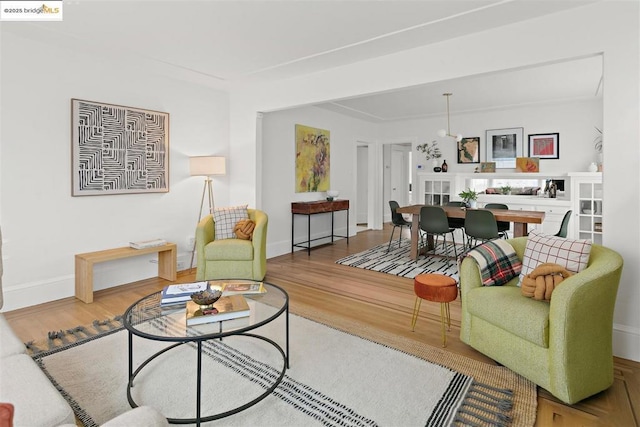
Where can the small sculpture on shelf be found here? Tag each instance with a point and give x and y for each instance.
(332, 194)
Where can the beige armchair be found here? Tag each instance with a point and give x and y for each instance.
(232, 258)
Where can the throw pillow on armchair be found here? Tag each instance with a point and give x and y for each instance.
(244, 229)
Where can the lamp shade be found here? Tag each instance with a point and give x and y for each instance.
(207, 165)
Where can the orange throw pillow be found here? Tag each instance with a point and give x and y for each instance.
(244, 229)
(540, 283)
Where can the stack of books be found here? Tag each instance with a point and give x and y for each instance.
(180, 293)
(226, 308)
(147, 243)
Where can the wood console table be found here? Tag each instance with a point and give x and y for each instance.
(167, 265)
(313, 208)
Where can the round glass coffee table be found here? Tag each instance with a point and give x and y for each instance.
(148, 319)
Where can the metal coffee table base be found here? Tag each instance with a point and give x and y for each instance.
(199, 418)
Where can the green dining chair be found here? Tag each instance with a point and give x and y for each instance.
(565, 225)
(457, 223)
(480, 224)
(503, 226)
(398, 221)
(434, 222)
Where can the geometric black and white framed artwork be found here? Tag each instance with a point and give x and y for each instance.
(118, 149)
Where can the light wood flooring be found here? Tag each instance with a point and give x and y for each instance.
(382, 300)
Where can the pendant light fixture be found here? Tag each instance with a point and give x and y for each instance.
(442, 133)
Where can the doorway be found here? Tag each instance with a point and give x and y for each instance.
(362, 189)
(397, 179)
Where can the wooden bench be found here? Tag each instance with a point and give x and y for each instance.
(167, 265)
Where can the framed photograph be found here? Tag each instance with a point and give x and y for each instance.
(503, 146)
(487, 167)
(118, 149)
(544, 145)
(469, 150)
(527, 164)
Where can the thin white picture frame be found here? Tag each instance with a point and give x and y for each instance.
(502, 146)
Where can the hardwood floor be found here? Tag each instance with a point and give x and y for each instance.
(382, 300)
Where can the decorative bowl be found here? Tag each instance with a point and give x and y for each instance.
(206, 298)
(332, 194)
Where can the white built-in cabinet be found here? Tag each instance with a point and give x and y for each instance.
(436, 189)
(587, 198)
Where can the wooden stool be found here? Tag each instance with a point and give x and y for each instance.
(437, 288)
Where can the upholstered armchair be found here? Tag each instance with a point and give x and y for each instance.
(232, 258)
(565, 345)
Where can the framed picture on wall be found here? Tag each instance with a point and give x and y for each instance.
(503, 146)
(118, 149)
(469, 150)
(544, 145)
(487, 167)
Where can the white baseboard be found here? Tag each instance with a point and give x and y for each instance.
(626, 342)
(105, 275)
(38, 292)
(284, 246)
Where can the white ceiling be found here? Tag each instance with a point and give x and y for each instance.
(235, 41)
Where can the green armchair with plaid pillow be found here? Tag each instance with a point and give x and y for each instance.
(565, 345)
(222, 256)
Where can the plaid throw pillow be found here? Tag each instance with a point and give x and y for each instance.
(226, 218)
(569, 253)
(497, 261)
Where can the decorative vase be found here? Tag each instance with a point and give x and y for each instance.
(473, 204)
(593, 167)
(445, 166)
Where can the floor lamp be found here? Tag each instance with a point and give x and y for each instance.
(205, 166)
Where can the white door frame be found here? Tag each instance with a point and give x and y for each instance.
(384, 203)
(374, 180)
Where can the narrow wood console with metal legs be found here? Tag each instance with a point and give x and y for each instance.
(167, 265)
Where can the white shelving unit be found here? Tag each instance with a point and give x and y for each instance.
(587, 205)
(436, 188)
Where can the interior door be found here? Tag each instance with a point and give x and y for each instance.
(399, 177)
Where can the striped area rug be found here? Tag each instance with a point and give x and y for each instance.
(335, 379)
(397, 261)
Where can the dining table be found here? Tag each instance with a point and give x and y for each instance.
(520, 219)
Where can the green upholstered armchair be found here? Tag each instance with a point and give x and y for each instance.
(232, 258)
(564, 346)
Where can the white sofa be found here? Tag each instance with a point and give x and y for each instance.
(36, 402)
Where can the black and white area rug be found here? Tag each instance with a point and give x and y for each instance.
(335, 379)
(398, 262)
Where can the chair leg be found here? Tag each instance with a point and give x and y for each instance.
(455, 250)
(400, 236)
(416, 310)
(445, 319)
(391, 238)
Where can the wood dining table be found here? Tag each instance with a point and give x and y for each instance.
(520, 219)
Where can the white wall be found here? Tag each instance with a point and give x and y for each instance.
(278, 178)
(43, 226)
(610, 28)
